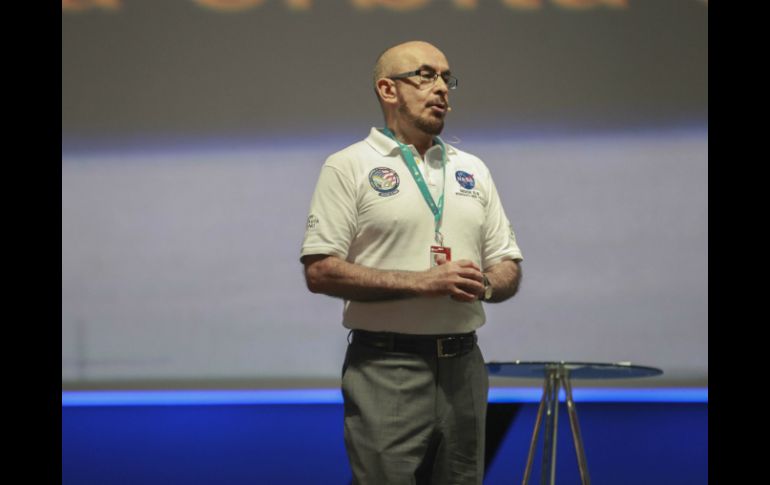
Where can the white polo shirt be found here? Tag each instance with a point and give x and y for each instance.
(368, 210)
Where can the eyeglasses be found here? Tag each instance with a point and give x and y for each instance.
(428, 78)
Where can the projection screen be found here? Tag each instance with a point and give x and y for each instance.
(193, 133)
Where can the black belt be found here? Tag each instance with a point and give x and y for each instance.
(438, 345)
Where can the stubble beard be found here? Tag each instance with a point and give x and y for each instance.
(428, 124)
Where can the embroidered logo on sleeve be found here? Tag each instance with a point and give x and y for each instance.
(384, 180)
(312, 221)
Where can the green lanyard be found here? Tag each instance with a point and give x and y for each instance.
(437, 209)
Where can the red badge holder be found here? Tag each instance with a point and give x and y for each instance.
(439, 255)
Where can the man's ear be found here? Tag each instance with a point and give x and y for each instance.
(386, 90)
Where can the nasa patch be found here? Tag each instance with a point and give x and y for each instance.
(384, 180)
(465, 179)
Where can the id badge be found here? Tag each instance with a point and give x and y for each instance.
(440, 254)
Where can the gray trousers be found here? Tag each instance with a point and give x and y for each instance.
(414, 419)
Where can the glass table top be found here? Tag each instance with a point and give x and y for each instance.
(577, 370)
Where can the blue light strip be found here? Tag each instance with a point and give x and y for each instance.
(524, 395)
(334, 396)
(200, 397)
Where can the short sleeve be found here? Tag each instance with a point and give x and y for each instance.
(499, 238)
(331, 223)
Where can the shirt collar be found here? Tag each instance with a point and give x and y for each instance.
(387, 146)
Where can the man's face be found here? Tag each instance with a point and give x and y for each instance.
(422, 105)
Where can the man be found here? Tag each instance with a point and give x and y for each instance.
(410, 232)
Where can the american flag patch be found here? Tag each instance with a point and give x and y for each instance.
(384, 180)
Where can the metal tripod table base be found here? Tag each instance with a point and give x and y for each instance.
(557, 374)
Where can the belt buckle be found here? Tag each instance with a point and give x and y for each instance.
(440, 347)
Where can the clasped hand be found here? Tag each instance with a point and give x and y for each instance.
(461, 280)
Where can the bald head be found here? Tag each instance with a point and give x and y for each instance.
(406, 56)
(413, 107)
